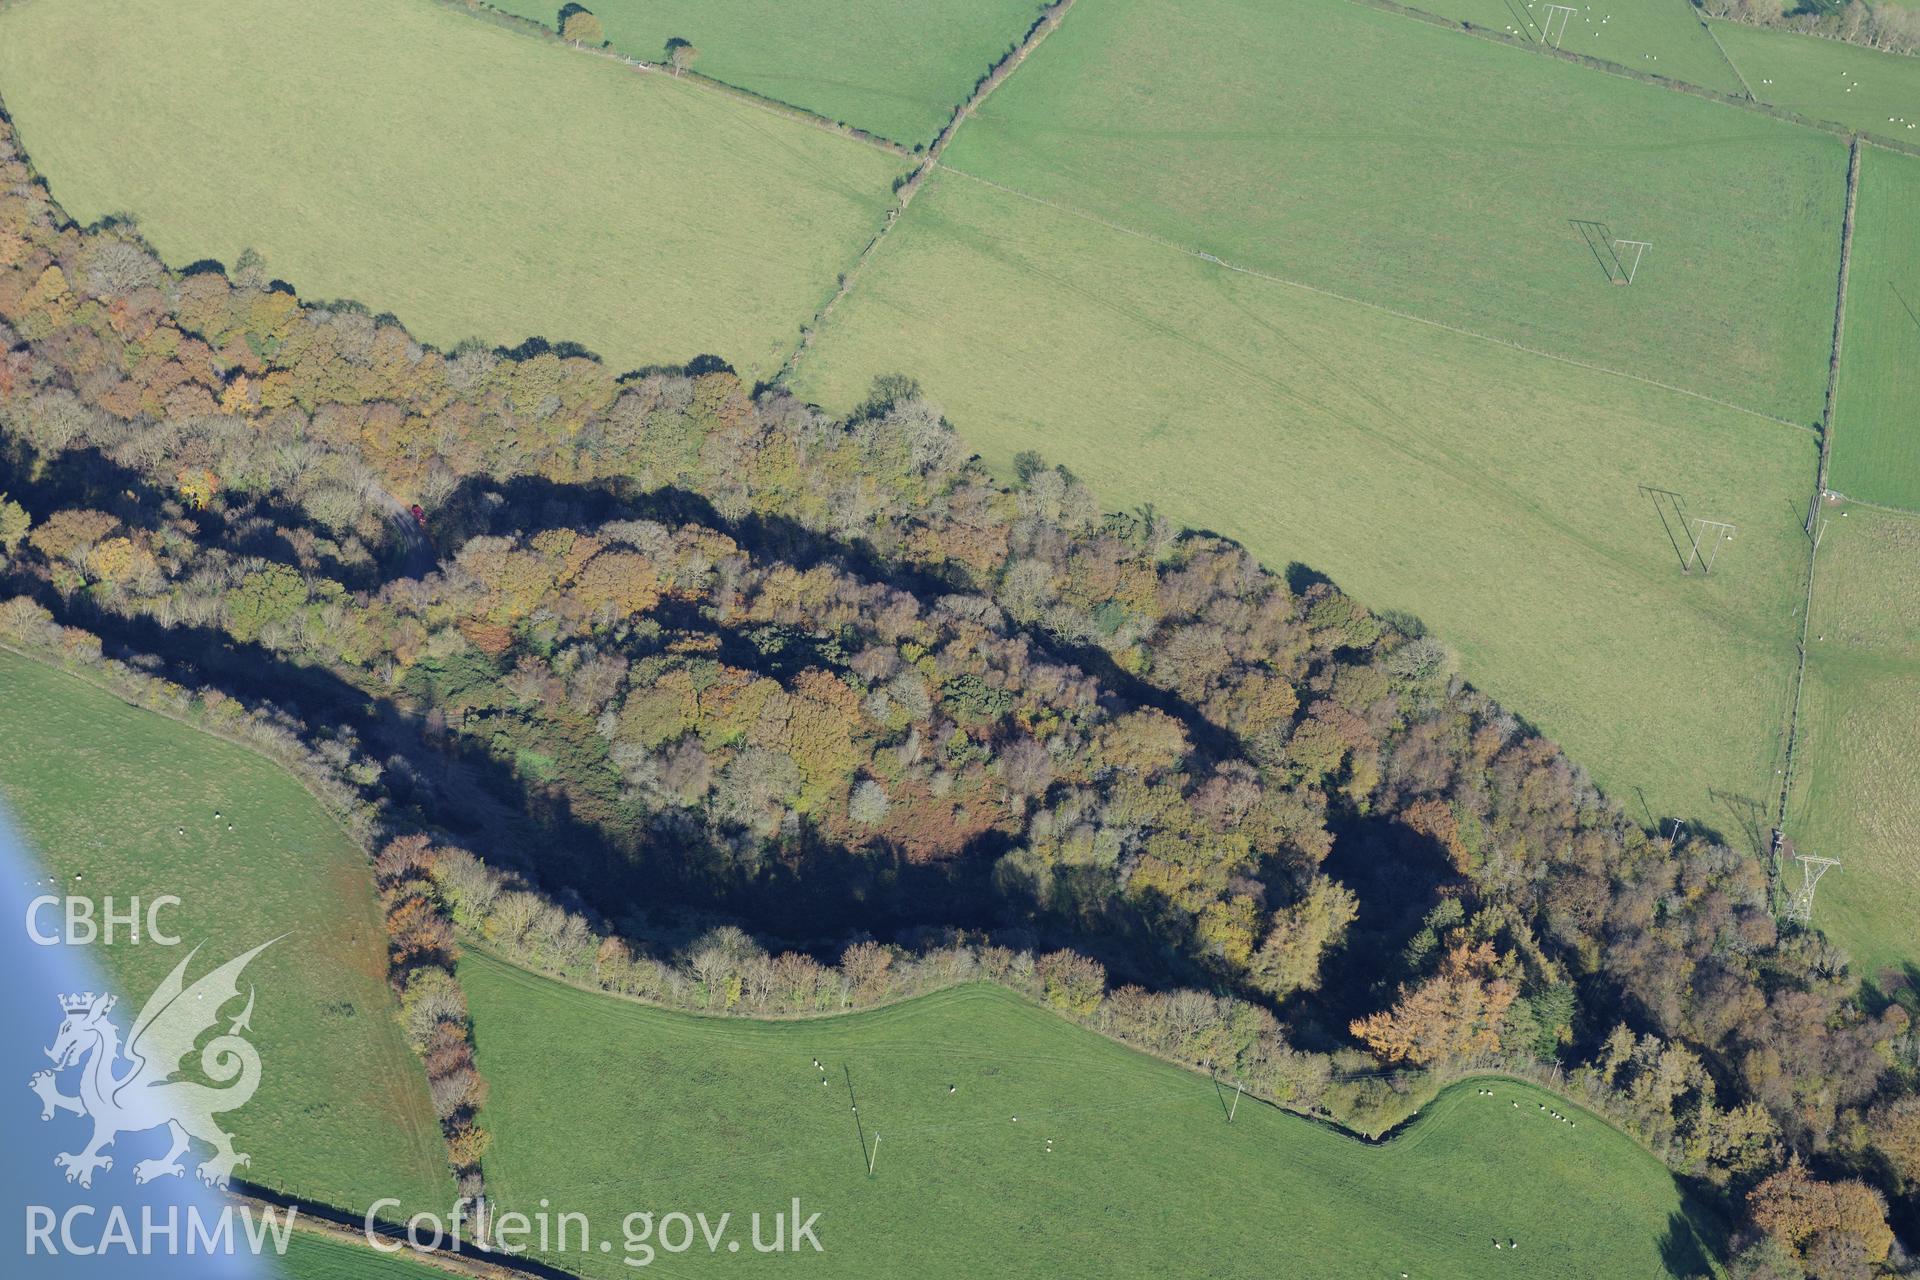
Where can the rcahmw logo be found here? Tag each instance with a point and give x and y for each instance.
(133, 1089)
(162, 1229)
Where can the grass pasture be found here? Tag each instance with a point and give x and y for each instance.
(100, 791)
(311, 1256)
(1876, 441)
(1422, 170)
(1857, 790)
(1661, 37)
(670, 1111)
(897, 68)
(1490, 492)
(470, 180)
(1828, 79)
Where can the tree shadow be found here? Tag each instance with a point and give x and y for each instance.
(1399, 876)
(1599, 241)
(1749, 819)
(1665, 501)
(1896, 984)
(807, 892)
(859, 1129)
(1693, 1243)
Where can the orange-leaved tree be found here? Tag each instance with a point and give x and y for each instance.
(1457, 1011)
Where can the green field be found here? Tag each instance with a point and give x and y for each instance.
(316, 1257)
(470, 180)
(1490, 492)
(1857, 790)
(1876, 441)
(671, 1112)
(1829, 79)
(101, 791)
(1661, 37)
(897, 68)
(1418, 169)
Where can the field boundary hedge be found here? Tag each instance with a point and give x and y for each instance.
(1828, 36)
(1624, 72)
(1820, 495)
(1739, 75)
(907, 187)
(528, 27)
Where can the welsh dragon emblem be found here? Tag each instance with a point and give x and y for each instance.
(145, 1095)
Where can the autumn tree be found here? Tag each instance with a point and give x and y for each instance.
(619, 582)
(1072, 982)
(268, 595)
(579, 25)
(1456, 1012)
(868, 804)
(1822, 1223)
(1896, 1129)
(417, 932)
(680, 54)
(119, 560)
(430, 1000)
(466, 1143)
(865, 965)
(14, 524)
(70, 536)
(1289, 959)
(250, 268)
